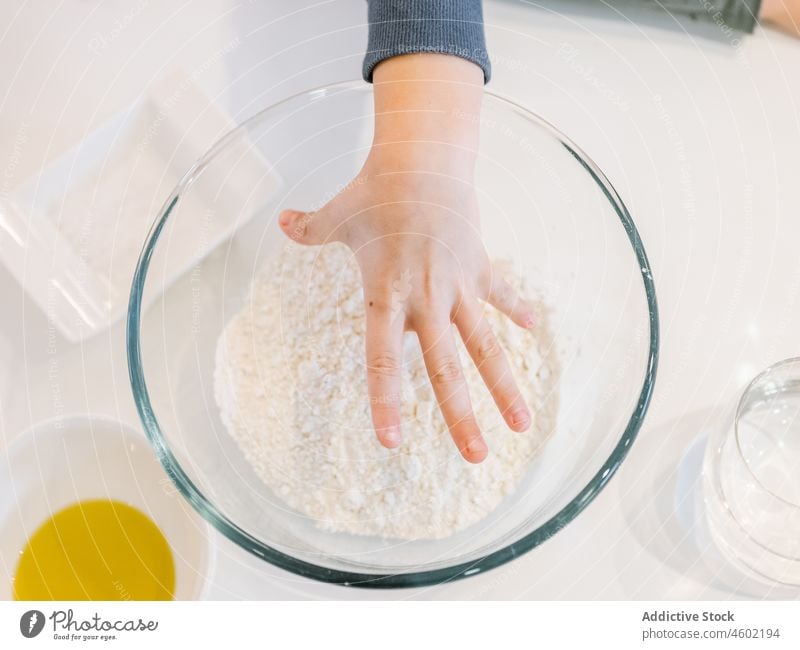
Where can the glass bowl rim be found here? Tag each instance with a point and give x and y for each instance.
(384, 580)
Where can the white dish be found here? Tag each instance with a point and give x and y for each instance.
(72, 233)
(62, 461)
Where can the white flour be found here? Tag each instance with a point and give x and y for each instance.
(291, 386)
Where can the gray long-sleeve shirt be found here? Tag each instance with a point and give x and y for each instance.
(443, 26)
(456, 26)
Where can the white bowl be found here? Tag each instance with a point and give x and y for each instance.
(61, 461)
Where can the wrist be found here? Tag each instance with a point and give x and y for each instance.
(422, 157)
(427, 113)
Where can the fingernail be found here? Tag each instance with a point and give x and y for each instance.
(285, 217)
(391, 436)
(476, 447)
(530, 321)
(520, 418)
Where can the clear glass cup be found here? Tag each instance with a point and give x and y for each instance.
(752, 478)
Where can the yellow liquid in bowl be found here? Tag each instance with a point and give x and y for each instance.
(96, 550)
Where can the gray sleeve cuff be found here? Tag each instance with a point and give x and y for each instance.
(442, 26)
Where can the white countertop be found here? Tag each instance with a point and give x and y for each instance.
(699, 133)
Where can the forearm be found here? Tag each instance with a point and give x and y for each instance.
(427, 111)
(784, 14)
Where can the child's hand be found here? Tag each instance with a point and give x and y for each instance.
(411, 219)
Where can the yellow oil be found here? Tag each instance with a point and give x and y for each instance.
(96, 550)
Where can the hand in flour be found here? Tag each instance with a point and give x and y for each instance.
(411, 219)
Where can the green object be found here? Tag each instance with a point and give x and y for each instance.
(738, 15)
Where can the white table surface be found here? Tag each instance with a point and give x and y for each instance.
(698, 130)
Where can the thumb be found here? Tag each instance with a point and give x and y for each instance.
(309, 228)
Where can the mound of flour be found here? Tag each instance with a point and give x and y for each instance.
(291, 386)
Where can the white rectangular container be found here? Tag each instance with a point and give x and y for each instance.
(72, 233)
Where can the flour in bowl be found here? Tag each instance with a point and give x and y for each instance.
(291, 386)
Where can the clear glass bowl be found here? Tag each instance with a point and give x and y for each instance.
(544, 205)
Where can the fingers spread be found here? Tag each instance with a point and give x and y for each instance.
(310, 228)
(450, 388)
(384, 342)
(492, 364)
(506, 299)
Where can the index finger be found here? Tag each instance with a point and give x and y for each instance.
(384, 356)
